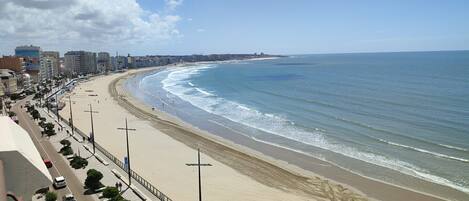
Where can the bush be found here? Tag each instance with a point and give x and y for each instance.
(66, 151)
(35, 114)
(11, 114)
(38, 95)
(30, 108)
(65, 143)
(49, 129)
(78, 162)
(113, 194)
(110, 192)
(51, 196)
(42, 124)
(14, 96)
(93, 178)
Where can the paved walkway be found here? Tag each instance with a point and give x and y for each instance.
(112, 173)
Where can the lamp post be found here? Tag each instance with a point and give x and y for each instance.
(57, 108)
(127, 129)
(198, 164)
(71, 114)
(92, 127)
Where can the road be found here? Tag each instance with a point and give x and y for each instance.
(46, 149)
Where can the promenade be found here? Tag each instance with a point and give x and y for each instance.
(49, 147)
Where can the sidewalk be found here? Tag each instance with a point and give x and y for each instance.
(111, 172)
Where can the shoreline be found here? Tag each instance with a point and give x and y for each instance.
(387, 191)
(247, 161)
(297, 180)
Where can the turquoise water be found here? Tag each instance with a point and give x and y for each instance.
(408, 112)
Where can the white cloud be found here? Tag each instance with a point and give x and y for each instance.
(86, 24)
(200, 30)
(172, 4)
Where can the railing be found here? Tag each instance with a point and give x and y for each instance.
(119, 163)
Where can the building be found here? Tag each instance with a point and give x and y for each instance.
(13, 63)
(80, 62)
(21, 165)
(31, 57)
(8, 82)
(48, 70)
(130, 61)
(104, 62)
(119, 62)
(55, 59)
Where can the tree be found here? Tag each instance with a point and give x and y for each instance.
(11, 114)
(30, 108)
(38, 95)
(66, 150)
(93, 178)
(35, 114)
(110, 192)
(42, 123)
(14, 96)
(51, 196)
(49, 129)
(78, 162)
(65, 142)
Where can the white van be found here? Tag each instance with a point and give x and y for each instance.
(59, 182)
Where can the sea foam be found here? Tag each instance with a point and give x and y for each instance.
(177, 81)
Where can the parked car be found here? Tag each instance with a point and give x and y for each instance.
(59, 182)
(68, 197)
(48, 163)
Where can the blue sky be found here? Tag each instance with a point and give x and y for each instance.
(296, 27)
(142, 27)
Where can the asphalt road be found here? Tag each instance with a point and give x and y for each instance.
(60, 165)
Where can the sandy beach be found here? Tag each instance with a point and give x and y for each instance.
(162, 145)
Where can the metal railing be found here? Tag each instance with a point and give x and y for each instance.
(119, 163)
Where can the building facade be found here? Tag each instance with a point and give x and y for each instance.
(32, 58)
(13, 63)
(104, 62)
(80, 62)
(119, 62)
(54, 56)
(47, 70)
(8, 82)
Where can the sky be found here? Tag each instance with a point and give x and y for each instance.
(149, 27)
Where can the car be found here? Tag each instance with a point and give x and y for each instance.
(68, 197)
(59, 182)
(48, 163)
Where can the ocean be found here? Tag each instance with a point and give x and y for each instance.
(407, 112)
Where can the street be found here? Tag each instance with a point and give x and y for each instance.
(60, 165)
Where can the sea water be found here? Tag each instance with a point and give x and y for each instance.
(406, 111)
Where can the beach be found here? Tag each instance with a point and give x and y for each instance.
(162, 145)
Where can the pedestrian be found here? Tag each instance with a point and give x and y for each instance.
(84, 138)
(117, 185)
(120, 186)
